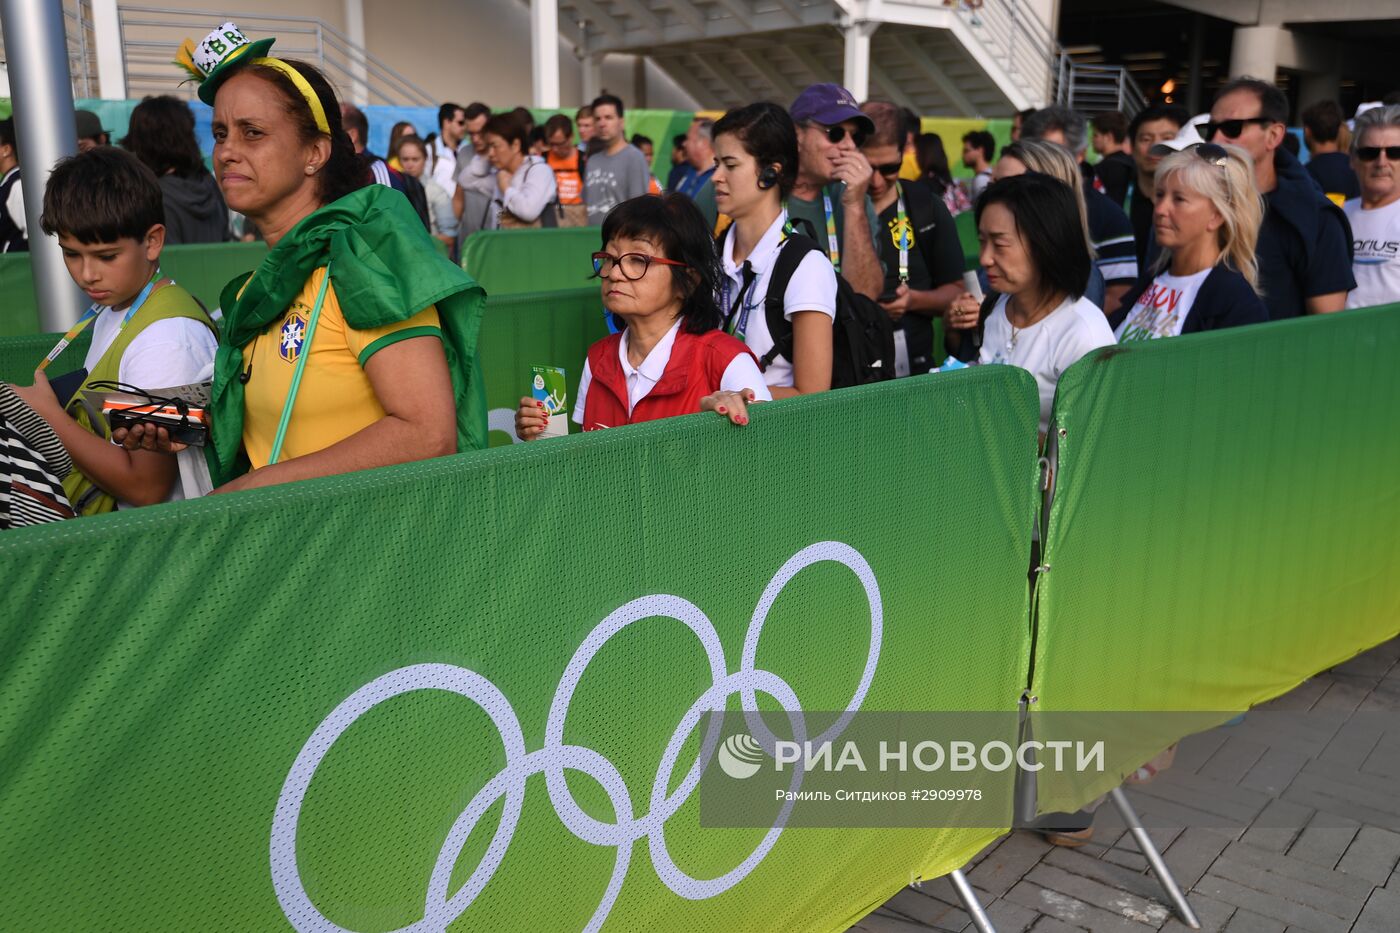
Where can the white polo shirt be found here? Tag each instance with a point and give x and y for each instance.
(813, 288)
(741, 373)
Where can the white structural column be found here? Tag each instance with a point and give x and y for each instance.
(544, 52)
(1255, 51)
(107, 35)
(592, 77)
(856, 75)
(359, 69)
(36, 56)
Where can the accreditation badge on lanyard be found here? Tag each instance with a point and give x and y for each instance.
(902, 234)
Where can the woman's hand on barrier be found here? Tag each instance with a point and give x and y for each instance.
(732, 405)
(963, 313)
(147, 437)
(530, 419)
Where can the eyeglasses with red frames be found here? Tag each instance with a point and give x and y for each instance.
(633, 265)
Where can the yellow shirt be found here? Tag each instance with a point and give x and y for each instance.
(909, 167)
(336, 398)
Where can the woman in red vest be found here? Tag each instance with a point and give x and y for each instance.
(658, 268)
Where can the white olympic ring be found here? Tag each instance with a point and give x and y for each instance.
(556, 756)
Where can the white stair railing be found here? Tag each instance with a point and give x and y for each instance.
(1016, 38)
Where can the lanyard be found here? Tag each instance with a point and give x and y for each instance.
(736, 321)
(91, 314)
(902, 234)
(297, 371)
(833, 246)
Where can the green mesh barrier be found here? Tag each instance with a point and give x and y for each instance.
(507, 262)
(228, 713)
(1224, 522)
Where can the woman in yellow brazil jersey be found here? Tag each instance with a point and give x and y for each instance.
(353, 344)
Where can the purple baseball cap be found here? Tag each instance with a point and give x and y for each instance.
(828, 104)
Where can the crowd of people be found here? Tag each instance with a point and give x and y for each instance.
(792, 250)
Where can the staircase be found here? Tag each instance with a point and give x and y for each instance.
(151, 35)
(953, 57)
(1091, 88)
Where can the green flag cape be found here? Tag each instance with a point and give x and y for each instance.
(385, 268)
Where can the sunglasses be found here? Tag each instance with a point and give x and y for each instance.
(633, 265)
(837, 133)
(889, 170)
(1230, 129)
(1372, 153)
(1210, 152)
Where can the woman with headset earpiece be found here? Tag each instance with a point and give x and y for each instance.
(778, 292)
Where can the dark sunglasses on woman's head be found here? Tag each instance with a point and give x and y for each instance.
(889, 169)
(1372, 153)
(838, 132)
(1215, 155)
(633, 265)
(1230, 129)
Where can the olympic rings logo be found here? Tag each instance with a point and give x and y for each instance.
(556, 756)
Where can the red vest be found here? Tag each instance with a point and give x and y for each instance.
(697, 364)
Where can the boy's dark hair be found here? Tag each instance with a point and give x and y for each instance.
(476, 109)
(511, 127)
(639, 140)
(7, 132)
(537, 135)
(1113, 123)
(161, 134)
(674, 225)
(101, 196)
(1048, 220)
(678, 141)
(559, 123)
(1273, 104)
(1323, 120)
(767, 133)
(343, 171)
(447, 112)
(610, 99)
(981, 139)
(1172, 112)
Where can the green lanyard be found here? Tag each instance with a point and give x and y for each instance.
(833, 246)
(296, 373)
(902, 235)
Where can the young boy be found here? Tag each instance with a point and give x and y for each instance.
(147, 332)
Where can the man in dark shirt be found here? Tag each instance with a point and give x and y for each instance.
(1305, 247)
(1327, 164)
(1151, 126)
(918, 243)
(1114, 171)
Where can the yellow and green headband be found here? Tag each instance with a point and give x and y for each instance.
(209, 63)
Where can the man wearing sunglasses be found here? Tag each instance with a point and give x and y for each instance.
(1375, 216)
(830, 203)
(1305, 241)
(918, 243)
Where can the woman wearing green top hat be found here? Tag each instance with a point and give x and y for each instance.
(353, 344)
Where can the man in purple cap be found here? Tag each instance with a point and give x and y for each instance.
(829, 201)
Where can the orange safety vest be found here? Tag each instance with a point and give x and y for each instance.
(568, 176)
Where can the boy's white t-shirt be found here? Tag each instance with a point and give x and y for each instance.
(1162, 308)
(167, 353)
(741, 373)
(812, 288)
(1049, 346)
(1375, 263)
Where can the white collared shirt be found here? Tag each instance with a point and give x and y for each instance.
(812, 288)
(741, 373)
(443, 165)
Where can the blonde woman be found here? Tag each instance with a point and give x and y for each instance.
(1206, 217)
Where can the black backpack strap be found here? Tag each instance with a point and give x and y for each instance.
(790, 256)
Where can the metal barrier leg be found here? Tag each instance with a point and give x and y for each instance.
(970, 902)
(1154, 858)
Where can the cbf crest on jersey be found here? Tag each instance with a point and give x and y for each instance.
(292, 337)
